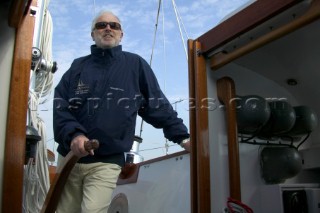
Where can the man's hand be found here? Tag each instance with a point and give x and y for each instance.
(186, 145)
(77, 146)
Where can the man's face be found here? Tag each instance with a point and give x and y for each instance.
(107, 37)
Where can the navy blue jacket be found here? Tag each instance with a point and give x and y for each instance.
(100, 96)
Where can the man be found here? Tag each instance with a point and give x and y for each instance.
(99, 97)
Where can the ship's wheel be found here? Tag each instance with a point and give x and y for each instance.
(119, 204)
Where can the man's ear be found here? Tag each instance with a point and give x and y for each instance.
(92, 36)
(121, 35)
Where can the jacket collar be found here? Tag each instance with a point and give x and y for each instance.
(108, 53)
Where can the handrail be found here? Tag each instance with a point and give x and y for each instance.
(200, 154)
(226, 94)
(313, 13)
(192, 121)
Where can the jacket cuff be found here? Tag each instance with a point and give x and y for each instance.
(77, 134)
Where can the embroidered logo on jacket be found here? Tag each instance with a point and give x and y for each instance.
(82, 88)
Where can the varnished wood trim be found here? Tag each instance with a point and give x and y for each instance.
(202, 131)
(311, 15)
(52, 173)
(130, 172)
(18, 10)
(53, 196)
(193, 133)
(226, 94)
(250, 17)
(15, 141)
(52, 199)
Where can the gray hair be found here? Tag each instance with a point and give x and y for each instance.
(100, 14)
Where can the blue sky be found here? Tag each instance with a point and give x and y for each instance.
(71, 39)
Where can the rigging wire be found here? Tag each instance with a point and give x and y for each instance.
(155, 32)
(156, 148)
(178, 20)
(153, 45)
(165, 67)
(181, 25)
(184, 28)
(94, 7)
(164, 51)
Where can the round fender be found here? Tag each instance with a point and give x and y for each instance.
(252, 113)
(279, 163)
(281, 120)
(306, 121)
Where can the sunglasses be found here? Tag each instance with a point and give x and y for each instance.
(103, 25)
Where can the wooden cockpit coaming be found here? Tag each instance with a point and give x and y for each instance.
(264, 71)
(243, 21)
(256, 29)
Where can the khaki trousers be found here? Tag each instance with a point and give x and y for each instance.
(89, 188)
